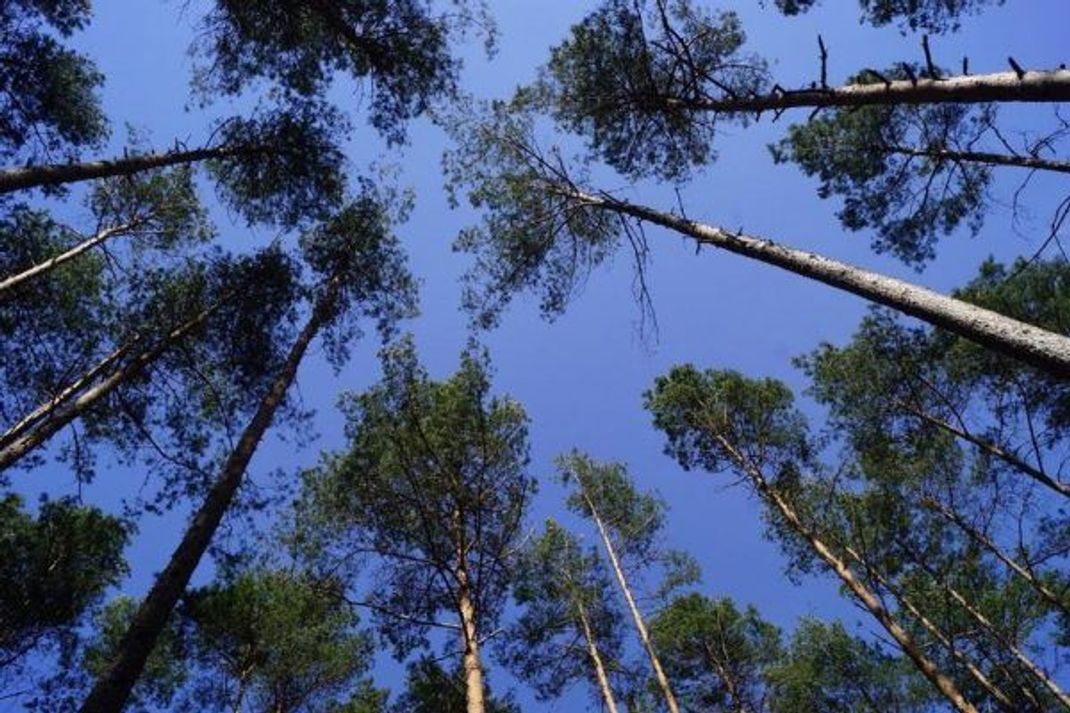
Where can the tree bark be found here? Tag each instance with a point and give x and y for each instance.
(112, 689)
(66, 413)
(980, 538)
(473, 666)
(637, 616)
(596, 660)
(52, 263)
(1036, 86)
(865, 596)
(56, 174)
(994, 159)
(1047, 351)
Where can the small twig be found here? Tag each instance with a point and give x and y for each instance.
(1016, 67)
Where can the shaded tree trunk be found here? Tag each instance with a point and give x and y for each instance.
(112, 689)
(596, 660)
(637, 616)
(65, 413)
(45, 409)
(1047, 351)
(52, 263)
(1038, 86)
(26, 177)
(863, 594)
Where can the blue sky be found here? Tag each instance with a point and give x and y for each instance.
(581, 377)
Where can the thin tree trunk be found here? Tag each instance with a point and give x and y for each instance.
(866, 597)
(473, 666)
(596, 660)
(986, 542)
(995, 159)
(637, 617)
(991, 449)
(1047, 351)
(52, 263)
(66, 413)
(977, 674)
(1036, 671)
(727, 679)
(112, 689)
(25, 177)
(1036, 86)
(45, 409)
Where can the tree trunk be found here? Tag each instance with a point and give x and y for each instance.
(25, 177)
(66, 413)
(637, 617)
(983, 622)
(45, 409)
(1039, 86)
(980, 538)
(1047, 351)
(53, 262)
(994, 159)
(112, 689)
(866, 597)
(596, 660)
(473, 666)
(977, 674)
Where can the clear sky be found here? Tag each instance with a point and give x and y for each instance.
(581, 377)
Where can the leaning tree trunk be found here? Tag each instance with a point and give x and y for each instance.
(1035, 163)
(64, 414)
(1036, 86)
(1047, 351)
(941, 638)
(596, 659)
(44, 410)
(865, 596)
(637, 616)
(52, 263)
(112, 689)
(988, 627)
(56, 174)
(1012, 564)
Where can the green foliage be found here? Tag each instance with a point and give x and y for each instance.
(431, 689)
(909, 201)
(49, 103)
(56, 566)
(915, 15)
(705, 415)
(399, 47)
(825, 669)
(162, 205)
(272, 640)
(49, 327)
(434, 481)
(559, 585)
(605, 491)
(534, 235)
(356, 246)
(714, 654)
(631, 75)
(286, 166)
